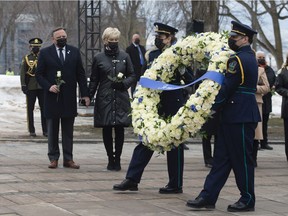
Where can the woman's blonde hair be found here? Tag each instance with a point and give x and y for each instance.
(110, 33)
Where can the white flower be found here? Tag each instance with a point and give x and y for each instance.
(210, 50)
(58, 74)
(120, 75)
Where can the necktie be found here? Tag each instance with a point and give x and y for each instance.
(140, 56)
(61, 56)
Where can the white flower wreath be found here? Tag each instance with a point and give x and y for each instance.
(161, 134)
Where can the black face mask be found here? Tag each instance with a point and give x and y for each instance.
(113, 46)
(137, 41)
(232, 44)
(35, 50)
(61, 42)
(159, 43)
(261, 62)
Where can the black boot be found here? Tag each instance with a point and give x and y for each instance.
(119, 141)
(108, 143)
(117, 165)
(111, 163)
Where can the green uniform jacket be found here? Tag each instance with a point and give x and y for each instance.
(27, 73)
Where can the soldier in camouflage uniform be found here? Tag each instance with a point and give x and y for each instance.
(30, 86)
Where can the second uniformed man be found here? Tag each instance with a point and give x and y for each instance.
(30, 86)
(170, 102)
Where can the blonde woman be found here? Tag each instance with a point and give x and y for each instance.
(112, 75)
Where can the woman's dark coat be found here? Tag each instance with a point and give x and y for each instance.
(112, 106)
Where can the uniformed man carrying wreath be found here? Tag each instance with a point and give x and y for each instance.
(170, 102)
(30, 86)
(239, 116)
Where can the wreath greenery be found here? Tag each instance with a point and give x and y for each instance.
(211, 51)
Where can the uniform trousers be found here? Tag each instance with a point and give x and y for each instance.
(67, 127)
(233, 151)
(141, 157)
(31, 97)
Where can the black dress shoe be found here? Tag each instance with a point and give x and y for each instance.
(170, 190)
(45, 134)
(126, 184)
(240, 207)
(267, 147)
(200, 203)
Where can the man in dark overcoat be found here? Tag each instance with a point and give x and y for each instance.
(136, 52)
(59, 70)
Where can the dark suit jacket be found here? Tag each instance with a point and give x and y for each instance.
(133, 52)
(72, 73)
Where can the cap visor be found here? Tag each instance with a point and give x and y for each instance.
(233, 34)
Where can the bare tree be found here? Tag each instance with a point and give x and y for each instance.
(9, 13)
(139, 16)
(206, 11)
(53, 14)
(258, 12)
(23, 20)
(124, 16)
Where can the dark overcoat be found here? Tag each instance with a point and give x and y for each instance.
(133, 52)
(281, 87)
(65, 104)
(112, 107)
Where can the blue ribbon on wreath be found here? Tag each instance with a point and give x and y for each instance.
(158, 85)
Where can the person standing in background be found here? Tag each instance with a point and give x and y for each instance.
(9, 72)
(281, 87)
(136, 52)
(209, 129)
(267, 98)
(30, 86)
(112, 75)
(59, 70)
(262, 89)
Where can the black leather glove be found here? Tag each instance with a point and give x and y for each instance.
(24, 89)
(118, 86)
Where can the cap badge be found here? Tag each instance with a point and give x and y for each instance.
(156, 28)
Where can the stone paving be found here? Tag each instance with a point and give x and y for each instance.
(29, 188)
